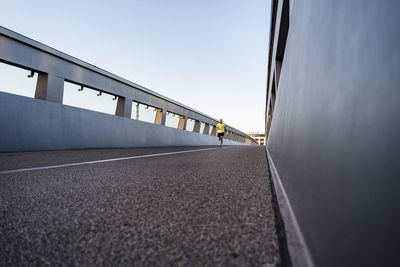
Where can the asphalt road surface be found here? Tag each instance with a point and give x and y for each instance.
(206, 206)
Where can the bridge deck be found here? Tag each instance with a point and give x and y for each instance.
(206, 207)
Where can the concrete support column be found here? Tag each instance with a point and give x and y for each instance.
(214, 130)
(234, 137)
(124, 107)
(196, 128)
(161, 116)
(185, 123)
(206, 129)
(182, 122)
(50, 88)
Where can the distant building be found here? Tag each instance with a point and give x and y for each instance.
(259, 137)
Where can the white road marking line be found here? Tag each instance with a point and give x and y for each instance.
(106, 160)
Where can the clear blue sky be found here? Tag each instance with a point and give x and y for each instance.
(210, 55)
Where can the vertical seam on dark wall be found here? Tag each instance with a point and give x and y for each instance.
(279, 224)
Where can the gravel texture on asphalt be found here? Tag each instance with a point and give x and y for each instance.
(207, 208)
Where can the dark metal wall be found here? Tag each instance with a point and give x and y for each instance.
(334, 127)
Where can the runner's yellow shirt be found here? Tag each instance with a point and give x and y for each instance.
(221, 127)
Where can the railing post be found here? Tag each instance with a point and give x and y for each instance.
(206, 129)
(237, 137)
(182, 122)
(50, 88)
(196, 128)
(185, 123)
(160, 116)
(214, 130)
(124, 107)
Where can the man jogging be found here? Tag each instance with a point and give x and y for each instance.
(221, 130)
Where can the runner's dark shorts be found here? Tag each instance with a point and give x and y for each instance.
(220, 134)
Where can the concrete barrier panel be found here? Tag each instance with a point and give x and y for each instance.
(28, 124)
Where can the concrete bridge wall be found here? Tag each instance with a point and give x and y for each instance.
(33, 124)
(44, 123)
